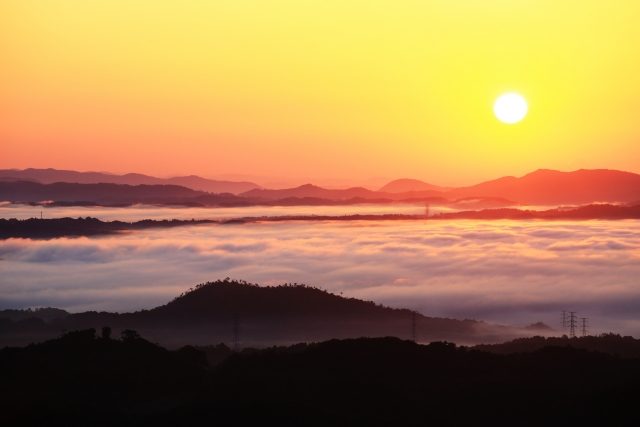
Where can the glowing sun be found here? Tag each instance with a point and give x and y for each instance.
(510, 108)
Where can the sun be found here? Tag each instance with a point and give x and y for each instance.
(510, 108)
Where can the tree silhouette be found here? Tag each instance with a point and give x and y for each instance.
(106, 333)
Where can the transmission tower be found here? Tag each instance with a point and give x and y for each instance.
(584, 326)
(426, 210)
(573, 323)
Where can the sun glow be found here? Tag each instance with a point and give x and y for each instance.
(319, 90)
(510, 108)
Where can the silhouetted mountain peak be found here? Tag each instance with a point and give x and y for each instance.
(540, 171)
(308, 186)
(224, 298)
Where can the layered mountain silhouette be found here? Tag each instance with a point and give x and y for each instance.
(313, 191)
(228, 311)
(24, 191)
(64, 193)
(194, 182)
(542, 187)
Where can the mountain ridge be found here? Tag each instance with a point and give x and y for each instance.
(548, 187)
(194, 182)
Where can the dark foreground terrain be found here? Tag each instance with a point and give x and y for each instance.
(84, 379)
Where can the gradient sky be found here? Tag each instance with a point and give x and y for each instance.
(346, 90)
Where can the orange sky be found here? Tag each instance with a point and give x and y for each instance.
(324, 90)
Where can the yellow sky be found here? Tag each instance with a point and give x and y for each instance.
(319, 89)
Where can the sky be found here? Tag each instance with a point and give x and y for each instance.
(319, 90)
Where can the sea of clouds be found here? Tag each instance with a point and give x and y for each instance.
(514, 272)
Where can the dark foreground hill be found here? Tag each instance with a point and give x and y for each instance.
(81, 379)
(228, 311)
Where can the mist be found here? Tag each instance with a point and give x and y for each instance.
(511, 272)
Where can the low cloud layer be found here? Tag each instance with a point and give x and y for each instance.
(513, 272)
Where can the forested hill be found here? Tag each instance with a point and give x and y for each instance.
(226, 298)
(250, 315)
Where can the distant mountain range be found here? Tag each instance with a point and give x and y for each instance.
(194, 182)
(225, 311)
(313, 191)
(72, 194)
(549, 187)
(542, 187)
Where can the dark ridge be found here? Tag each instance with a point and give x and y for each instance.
(60, 227)
(595, 211)
(74, 227)
(82, 379)
(613, 344)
